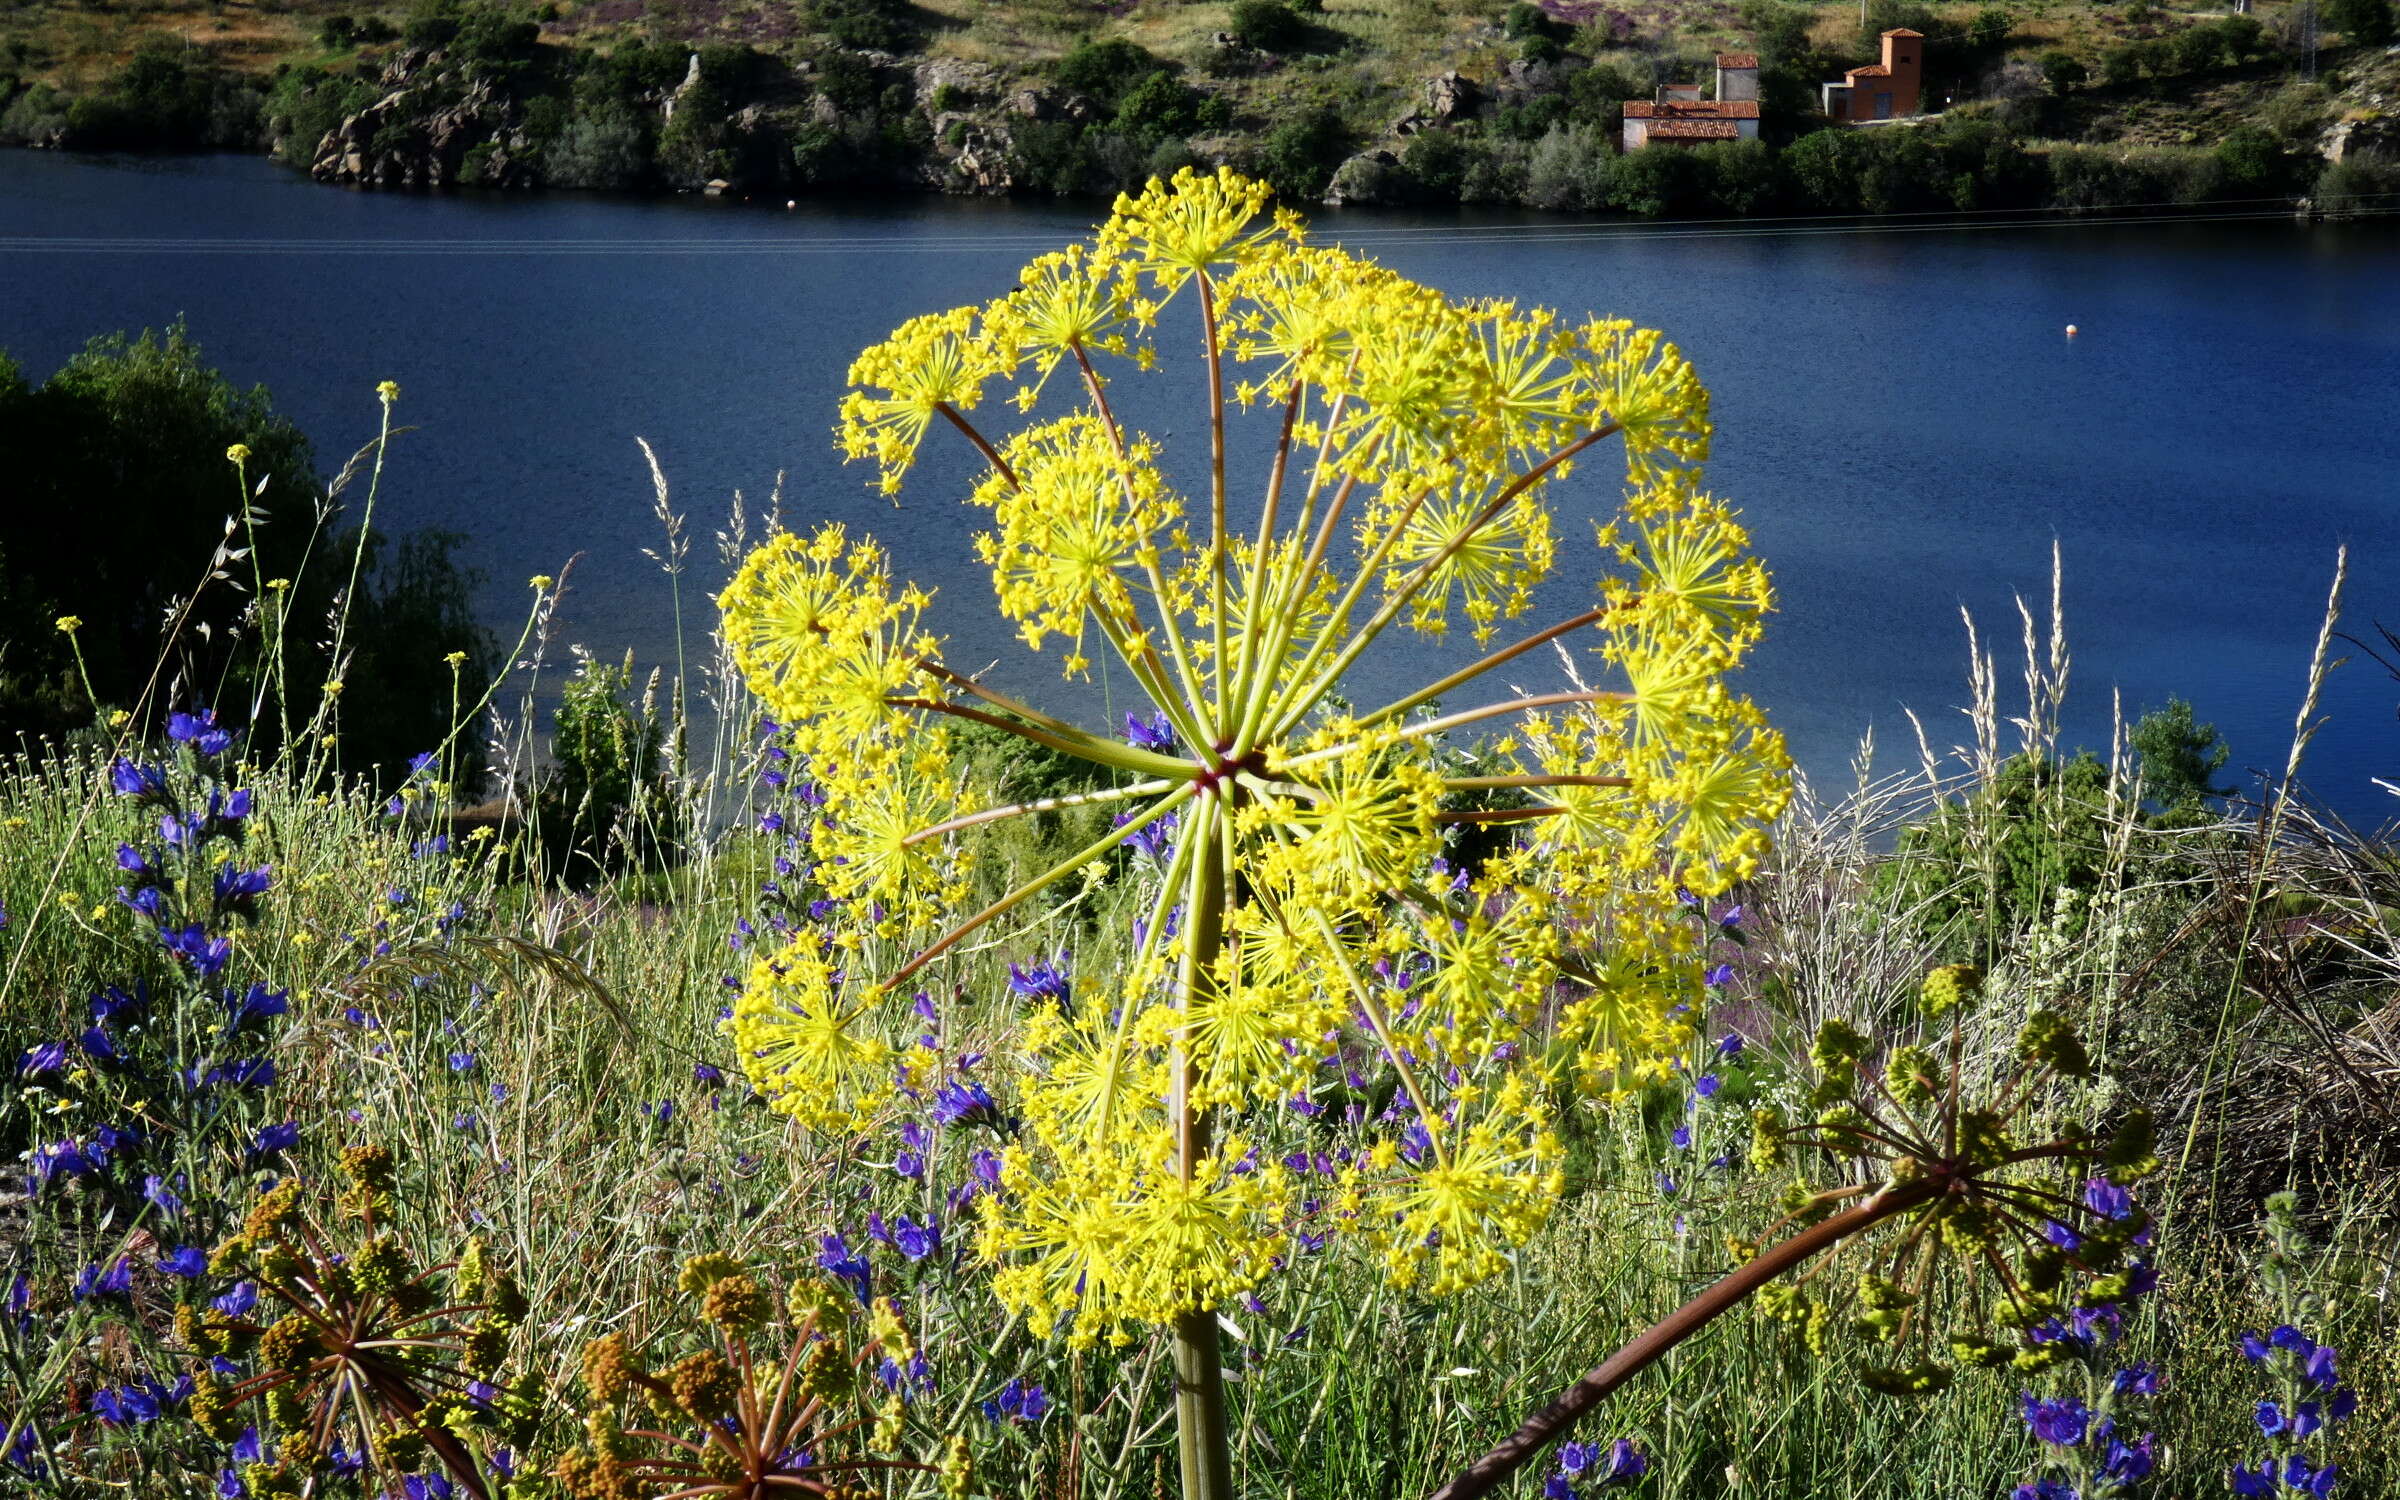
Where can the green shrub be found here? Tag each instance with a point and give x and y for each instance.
(606, 146)
(1107, 70)
(2063, 72)
(167, 95)
(2360, 180)
(1569, 169)
(1658, 183)
(1523, 20)
(119, 464)
(2255, 164)
(606, 803)
(1738, 177)
(1268, 25)
(1437, 162)
(2362, 23)
(867, 25)
(1298, 157)
(1162, 107)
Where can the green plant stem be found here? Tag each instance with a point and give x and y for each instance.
(1486, 1473)
(1203, 1451)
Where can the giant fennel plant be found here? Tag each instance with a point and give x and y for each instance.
(1309, 896)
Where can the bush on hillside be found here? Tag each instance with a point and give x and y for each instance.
(1268, 25)
(122, 492)
(2362, 23)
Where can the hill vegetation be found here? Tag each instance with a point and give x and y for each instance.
(2053, 103)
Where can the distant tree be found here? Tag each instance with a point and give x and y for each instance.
(1437, 159)
(2178, 756)
(120, 496)
(1740, 177)
(2364, 23)
(1656, 183)
(2063, 71)
(1990, 30)
(1522, 20)
(2255, 163)
(1298, 157)
(1107, 70)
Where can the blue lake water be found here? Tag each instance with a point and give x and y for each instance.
(1900, 414)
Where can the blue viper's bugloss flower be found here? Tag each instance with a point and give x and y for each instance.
(114, 1280)
(49, 1057)
(965, 1102)
(141, 1401)
(239, 889)
(834, 1256)
(200, 730)
(2137, 1380)
(187, 1262)
(462, 1062)
(1043, 979)
(130, 860)
(1151, 733)
(194, 946)
(2044, 1489)
(134, 780)
(258, 1003)
(1018, 1401)
(161, 1195)
(2061, 1422)
(275, 1139)
(2107, 1199)
(238, 1302)
(1618, 1464)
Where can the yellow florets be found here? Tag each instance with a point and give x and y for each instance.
(1305, 889)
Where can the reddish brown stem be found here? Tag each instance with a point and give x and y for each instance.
(1486, 1473)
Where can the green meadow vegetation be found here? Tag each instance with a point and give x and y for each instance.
(458, 1122)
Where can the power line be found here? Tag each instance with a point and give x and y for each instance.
(1812, 226)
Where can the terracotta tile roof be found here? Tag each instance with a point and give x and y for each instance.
(1904, 31)
(1694, 130)
(1872, 70)
(1692, 109)
(1737, 59)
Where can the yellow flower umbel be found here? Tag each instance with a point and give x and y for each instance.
(1312, 894)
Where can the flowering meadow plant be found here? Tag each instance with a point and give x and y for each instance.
(1311, 912)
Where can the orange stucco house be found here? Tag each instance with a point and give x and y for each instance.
(1888, 90)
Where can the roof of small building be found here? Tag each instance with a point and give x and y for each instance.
(1692, 109)
(1737, 59)
(1871, 70)
(1694, 130)
(1904, 31)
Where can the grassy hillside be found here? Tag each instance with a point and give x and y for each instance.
(1068, 97)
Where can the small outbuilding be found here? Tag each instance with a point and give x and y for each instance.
(1889, 90)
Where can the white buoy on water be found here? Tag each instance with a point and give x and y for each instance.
(2070, 330)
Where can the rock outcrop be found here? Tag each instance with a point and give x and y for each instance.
(1449, 98)
(1370, 178)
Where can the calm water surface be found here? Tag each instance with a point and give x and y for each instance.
(1899, 413)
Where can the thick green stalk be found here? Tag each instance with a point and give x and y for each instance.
(1203, 1451)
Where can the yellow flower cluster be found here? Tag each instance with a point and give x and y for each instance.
(1478, 906)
